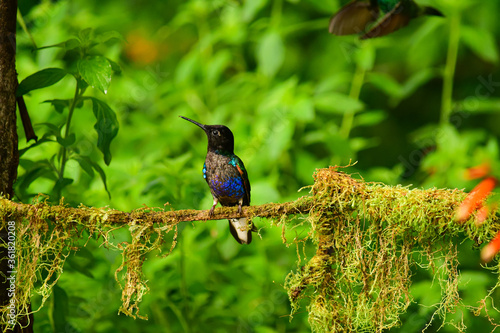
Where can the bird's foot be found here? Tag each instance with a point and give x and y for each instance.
(211, 211)
(240, 203)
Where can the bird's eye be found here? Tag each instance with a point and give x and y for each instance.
(215, 132)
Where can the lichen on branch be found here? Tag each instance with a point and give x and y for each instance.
(367, 235)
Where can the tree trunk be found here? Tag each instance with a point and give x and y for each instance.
(9, 154)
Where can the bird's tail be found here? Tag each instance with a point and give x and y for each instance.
(241, 230)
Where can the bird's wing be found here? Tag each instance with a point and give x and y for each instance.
(238, 163)
(394, 20)
(353, 18)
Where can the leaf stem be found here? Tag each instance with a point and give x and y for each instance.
(449, 69)
(64, 151)
(21, 22)
(276, 12)
(356, 84)
(72, 109)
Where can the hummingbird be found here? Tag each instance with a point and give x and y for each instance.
(363, 17)
(226, 177)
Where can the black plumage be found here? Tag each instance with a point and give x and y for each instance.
(226, 177)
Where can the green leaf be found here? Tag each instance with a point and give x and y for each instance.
(333, 82)
(385, 83)
(96, 71)
(397, 91)
(81, 261)
(89, 166)
(322, 6)
(334, 102)
(66, 142)
(86, 35)
(279, 139)
(59, 309)
(109, 35)
(82, 84)
(478, 105)
(85, 165)
(417, 80)
(339, 146)
(217, 65)
(34, 172)
(102, 174)
(59, 104)
(45, 138)
(303, 109)
(358, 144)
(187, 67)
(480, 41)
(270, 53)
(70, 44)
(106, 126)
(51, 128)
(250, 8)
(424, 50)
(426, 292)
(44, 78)
(370, 118)
(114, 66)
(61, 183)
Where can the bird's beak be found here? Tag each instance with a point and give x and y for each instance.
(194, 122)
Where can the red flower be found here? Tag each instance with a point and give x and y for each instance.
(489, 251)
(475, 198)
(479, 171)
(482, 214)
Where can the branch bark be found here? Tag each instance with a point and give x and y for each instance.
(9, 154)
(152, 215)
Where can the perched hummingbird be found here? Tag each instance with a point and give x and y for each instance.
(227, 177)
(357, 15)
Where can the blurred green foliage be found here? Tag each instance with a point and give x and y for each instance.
(296, 99)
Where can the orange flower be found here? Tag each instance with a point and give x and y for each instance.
(489, 251)
(482, 214)
(140, 49)
(475, 198)
(479, 171)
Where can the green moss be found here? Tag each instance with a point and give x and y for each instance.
(368, 236)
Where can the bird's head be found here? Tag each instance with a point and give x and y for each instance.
(220, 138)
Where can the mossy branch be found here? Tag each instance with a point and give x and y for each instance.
(153, 215)
(365, 233)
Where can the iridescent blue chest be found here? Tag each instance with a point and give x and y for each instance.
(227, 187)
(224, 179)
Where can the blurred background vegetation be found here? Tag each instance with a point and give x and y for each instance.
(296, 98)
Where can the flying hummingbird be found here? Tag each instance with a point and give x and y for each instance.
(227, 177)
(363, 17)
